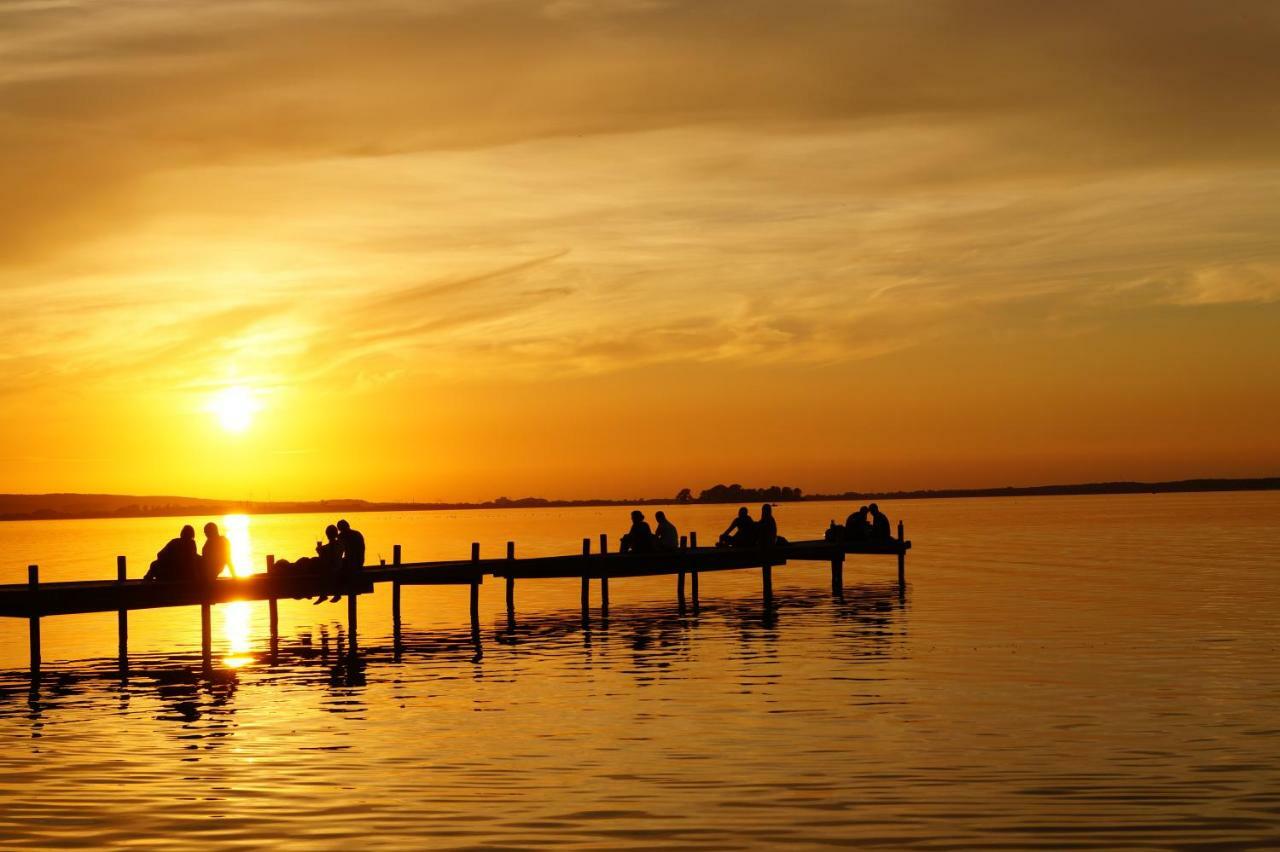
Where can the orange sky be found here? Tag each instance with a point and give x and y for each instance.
(451, 250)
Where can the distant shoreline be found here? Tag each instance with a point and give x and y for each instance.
(57, 507)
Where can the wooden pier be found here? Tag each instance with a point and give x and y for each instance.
(34, 600)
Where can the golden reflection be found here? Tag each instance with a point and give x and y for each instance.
(237, 616)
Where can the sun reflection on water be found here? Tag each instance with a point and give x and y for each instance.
(237, 617)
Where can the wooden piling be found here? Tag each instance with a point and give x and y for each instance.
(122, 622)
(680, 591)
(693, 541)
(902, 558)
(395, 597)
(273, 607)
(511, 590)
(693, 587)
(586, 585)
(353, 625)
(33, 622)
(604, 581)
(837, 576)
(206, 637)
(475, 597)
(768, 586)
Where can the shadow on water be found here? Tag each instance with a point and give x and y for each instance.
(867, 622)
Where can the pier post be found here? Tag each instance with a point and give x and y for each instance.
(604, 579)
(684, 542)
(122, 621)
(837, 576)
(33, 623)
(511, 590)
(353, 623)
(693, 540)
(902, 558)
(680, 590)
(768, 586)
(586, 584)
(395, 598)
(693, 587)
(206, 637)
(273, 607)
(475, 598)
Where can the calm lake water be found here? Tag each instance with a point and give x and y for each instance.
(1060, 672)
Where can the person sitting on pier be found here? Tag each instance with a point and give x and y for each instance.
(328, 560)
(879, 524)
(857, 527)
(640, 538)
(668, 537)
(741, 532)
(177, 559)
(216, 553)
(352, 562)
(766, 527)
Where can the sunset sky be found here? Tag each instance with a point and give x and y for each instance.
(451, 250)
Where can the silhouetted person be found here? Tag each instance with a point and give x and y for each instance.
(352, 542)
(216, 553)
(177, 559)
(668, 537)
(766, 527)
(328, 559)
(741, 532)
(857, 527)
(640, 538)
(879, 524)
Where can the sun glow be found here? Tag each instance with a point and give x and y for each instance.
(234, 407)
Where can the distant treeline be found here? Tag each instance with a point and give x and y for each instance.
(34, 507)
(737, 494)
(1271, 483)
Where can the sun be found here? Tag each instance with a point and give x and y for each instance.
(234, 407)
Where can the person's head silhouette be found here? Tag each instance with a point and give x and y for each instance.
(188, 531)
(343, 526)
(875, 510)
(637, 516)
(744, 512)
(331, 532)
(766, 511)
(660, 515)
(210, 529)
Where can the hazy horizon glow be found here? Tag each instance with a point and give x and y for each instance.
(453, 250)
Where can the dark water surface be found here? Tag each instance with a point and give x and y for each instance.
(1060, 672)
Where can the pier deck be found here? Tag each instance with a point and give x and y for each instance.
(35, 600)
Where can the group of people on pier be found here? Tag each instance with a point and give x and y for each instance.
(746, 531)
(743, 531)
(868, 523)
(180, 562)
(338, 558)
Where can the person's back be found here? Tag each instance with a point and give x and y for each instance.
(741, 532)
(879, 524)
(641, 536)
(216, 553)
(176, 560)
(766, 527)
(668, 537)
(352, 548)
(856, 527)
